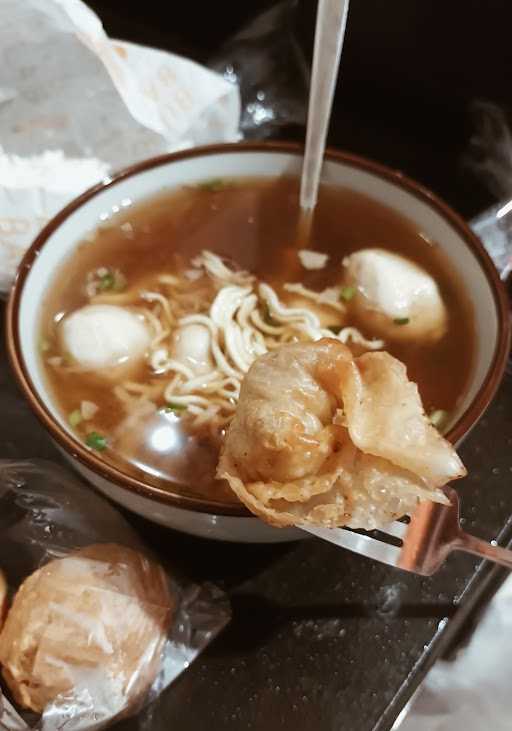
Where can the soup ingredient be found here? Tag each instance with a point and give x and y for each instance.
(3, 598)
(391, 291)
(93, 623)
(326, 304)
(174, 408)
(347, 293)
(104, 279)
(88, 410)
(312, 259)
(96, 441)
(75, 418)
(321, 437)
(101, 336)
(438, 418)
(192, 347)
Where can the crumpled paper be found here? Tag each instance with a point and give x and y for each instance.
(75, 105)
(473, 692)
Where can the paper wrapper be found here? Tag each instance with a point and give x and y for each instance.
(75, 105)
(113, 633)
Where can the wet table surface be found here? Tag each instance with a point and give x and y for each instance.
(321, 638)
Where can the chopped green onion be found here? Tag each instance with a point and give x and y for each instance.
(174, 407)
(96, 441)
(75, 418)
(438, 418)
(44, 345)
(336, 329)
(346, 293)
(107, 281)
(401, 320)
(212, 186)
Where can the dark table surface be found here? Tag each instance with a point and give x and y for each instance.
(320, 638)
(323, 639)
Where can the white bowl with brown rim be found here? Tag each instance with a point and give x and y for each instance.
(194, 515)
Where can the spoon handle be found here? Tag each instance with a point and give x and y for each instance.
(331, 20)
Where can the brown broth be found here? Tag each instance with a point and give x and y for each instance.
(254, 223)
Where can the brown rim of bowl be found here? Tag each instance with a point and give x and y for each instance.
(186, 502)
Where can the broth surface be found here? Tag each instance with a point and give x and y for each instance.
(254, 224)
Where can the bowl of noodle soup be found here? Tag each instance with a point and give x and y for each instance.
(140, 307)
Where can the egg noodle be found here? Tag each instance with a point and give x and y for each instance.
(243, 317)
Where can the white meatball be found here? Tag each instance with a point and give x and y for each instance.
(395, 297)
(191, 347)
(104, 336)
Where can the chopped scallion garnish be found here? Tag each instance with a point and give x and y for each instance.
(347, 293)
(96, 441)
(107, 281)
(172, 407)
(401, 320)
(212, 186)
(75, 418)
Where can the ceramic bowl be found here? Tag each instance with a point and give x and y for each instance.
(59, 238)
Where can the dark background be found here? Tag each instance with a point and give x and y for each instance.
(410, 71)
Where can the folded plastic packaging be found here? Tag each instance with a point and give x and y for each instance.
(75, 105)
(102, 637)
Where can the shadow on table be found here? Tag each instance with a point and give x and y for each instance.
(265, 618)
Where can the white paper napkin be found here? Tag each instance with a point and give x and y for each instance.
(75, 105)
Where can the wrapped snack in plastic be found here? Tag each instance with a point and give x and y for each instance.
(96, 628)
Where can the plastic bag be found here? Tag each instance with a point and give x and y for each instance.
(265, 60)
(47, 519)
(490, 159)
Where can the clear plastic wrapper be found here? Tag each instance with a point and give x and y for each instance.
(76, 105)
(268, 64)
(97, 628)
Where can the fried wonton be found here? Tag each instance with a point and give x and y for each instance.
(322, 438)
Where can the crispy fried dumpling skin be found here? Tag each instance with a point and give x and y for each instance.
(324, 438)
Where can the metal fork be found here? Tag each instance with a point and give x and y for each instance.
(421, 545)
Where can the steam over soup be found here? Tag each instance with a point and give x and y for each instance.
(149, 328)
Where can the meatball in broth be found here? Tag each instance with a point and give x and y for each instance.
(392, 291)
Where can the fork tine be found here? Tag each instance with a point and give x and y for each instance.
(364, 545)
(396, 529)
